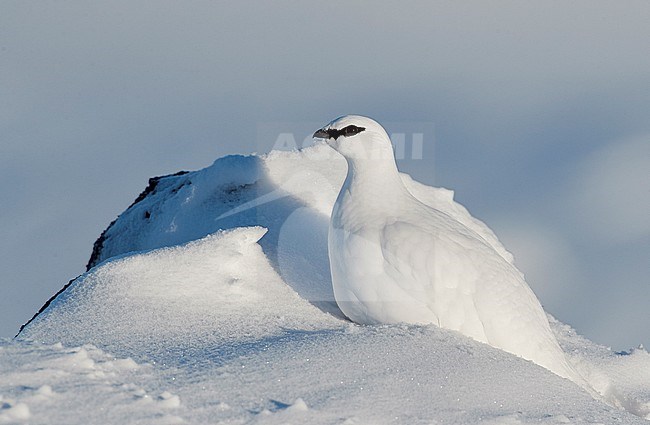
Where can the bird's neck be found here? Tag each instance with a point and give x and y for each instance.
(373, 183)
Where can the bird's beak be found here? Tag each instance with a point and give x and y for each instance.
(321, 134)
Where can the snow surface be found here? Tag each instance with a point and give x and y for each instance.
(211, 302)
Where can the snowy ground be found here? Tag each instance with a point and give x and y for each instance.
(179, 322)
(352, 375)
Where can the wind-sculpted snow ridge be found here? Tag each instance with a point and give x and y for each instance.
(219, 288)
(252, 190)
(216, 284)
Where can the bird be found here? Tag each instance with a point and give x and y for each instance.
(394, 259)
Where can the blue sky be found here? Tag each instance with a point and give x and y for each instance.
(541, 116)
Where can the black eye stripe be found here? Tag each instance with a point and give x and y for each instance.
(350, 130)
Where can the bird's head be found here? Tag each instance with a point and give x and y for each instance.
(357, 138)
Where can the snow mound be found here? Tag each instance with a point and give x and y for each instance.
(219, 288)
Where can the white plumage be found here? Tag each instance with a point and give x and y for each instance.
(394, 259)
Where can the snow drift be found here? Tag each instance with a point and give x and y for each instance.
(219, 288)
(216, 283)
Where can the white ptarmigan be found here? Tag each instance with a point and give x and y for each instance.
(394, 259)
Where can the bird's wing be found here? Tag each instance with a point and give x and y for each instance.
(468, 286)
(435, 266)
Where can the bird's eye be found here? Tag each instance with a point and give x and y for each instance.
(352, 130)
